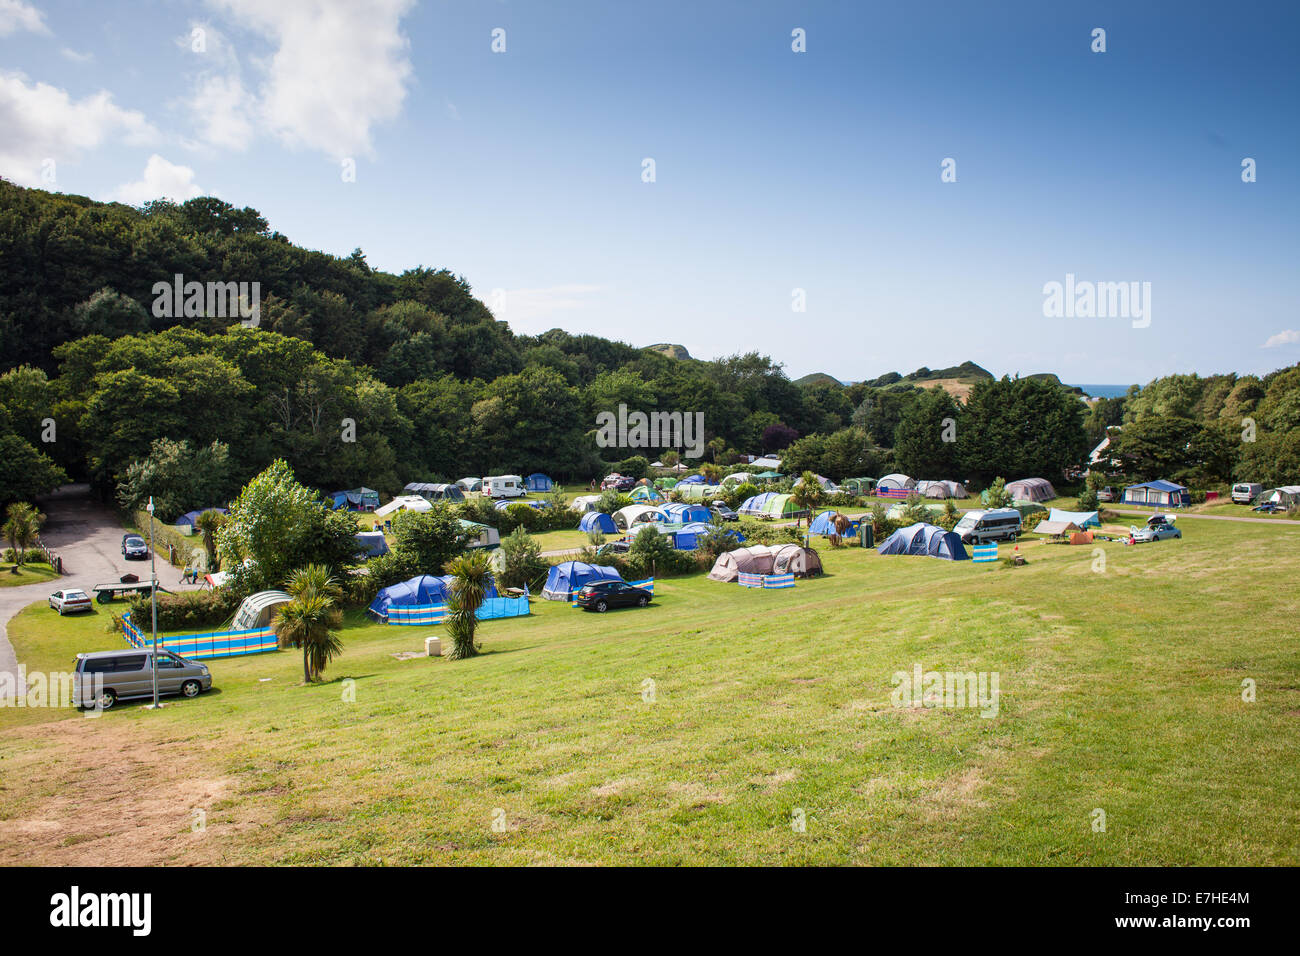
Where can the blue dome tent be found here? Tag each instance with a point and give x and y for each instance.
(824, 525)
(566, 578)
(927, 540)
(538, 482)
(423, 589)
(693, 480)
(597, 521)
(754, 505)
(684, 514)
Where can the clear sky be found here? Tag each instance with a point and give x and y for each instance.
(774, 170)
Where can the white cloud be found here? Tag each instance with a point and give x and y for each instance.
(1285, 337)
(221, 107)
(16, 15)
(161, 180)
(41, 123)
(338, 69)
(75, 56)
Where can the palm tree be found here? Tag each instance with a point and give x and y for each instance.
(468, 590)
(311, 619)
(22, 530)
(209, 523)
(807, 494)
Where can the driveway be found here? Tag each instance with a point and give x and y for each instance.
(88, 536)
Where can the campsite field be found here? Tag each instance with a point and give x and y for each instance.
(1120, 691)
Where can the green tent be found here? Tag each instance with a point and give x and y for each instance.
(1027, 507)
(859, 486)
(782, 506)
(665, 483)
(769, 475)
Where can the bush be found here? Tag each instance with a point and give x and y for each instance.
(1031, 521)
(635, 467)
(521, 561)
(740, 494)
(188, 610)
(1088, 500)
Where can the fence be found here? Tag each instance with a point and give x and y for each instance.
(901, 493)
(984, 553)
(204, 646)
(425, 614)
(778, 582)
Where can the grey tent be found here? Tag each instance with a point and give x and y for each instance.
(799, 561)
(258, 610)
(755, 560)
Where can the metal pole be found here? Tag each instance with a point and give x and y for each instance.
(153, 601)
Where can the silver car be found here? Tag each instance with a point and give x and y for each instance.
(105, 677)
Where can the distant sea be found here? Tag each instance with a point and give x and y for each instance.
(1104, 391)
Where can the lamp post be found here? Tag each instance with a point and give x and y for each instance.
(153, 601)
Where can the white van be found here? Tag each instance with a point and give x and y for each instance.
(1243, 493)
(503, 486)
(982, 527)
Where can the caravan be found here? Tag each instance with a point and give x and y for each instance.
(503, 486)
(983, 527)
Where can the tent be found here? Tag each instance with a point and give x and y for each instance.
(191, 518)
(739, 478)
(687, 537)
(355, 499)
(566, 578)
(1026, 507)
(941, 489)
(1055, 527)
(767, 463)
(769, 475)
(797, 560)
(432, 491)
(1084, 519)
(824, 524)
(698, 492)
(826, 483)
(645, 493)
(859, 486)
(505, 503)
(731, 564)
(404, 503)
(1034, 489)
(663, 484)
(1161, 493)
(371, 544)
(755, 505)
(925, 539)
(422, 589)
(538, 482)
(625, 518)
(471, 485)
(258, 610)
(693, 480)
(481, 535)
(1286, 496)
(597, 521)
(895, 482)
(782, 506)
(584, 503)
(684, 513)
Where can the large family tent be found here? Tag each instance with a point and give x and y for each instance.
(925, 539)
(371, 544)
(424, 589)
(693, 480)
(538, 482)
(679, 513)
(687, 537)
(941, 489)
(433, 491)
(1084, 519)
(1032, 489)
(895, 483)
(734, 481)
(826, 483)
(698, 492)
(597, 521)
(795, 559)
(859, 486)
(566, 578)
(754, 506)
(258, 610)
(480, 535)
(731, 564)
(584, 503)
(355, 499)
(1286, 496)
(471, 485)
(625, 518)
(782, 506)
(404, 503)
(191, 518)
(1165, 494)
(644, 494)
(505, 503)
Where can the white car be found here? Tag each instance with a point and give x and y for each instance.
(70, 600)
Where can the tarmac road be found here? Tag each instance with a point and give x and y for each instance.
(88, 536)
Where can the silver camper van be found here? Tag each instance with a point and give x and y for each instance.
(983, 527)
(1244, 492)
(105, 677)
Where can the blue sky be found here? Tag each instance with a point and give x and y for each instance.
(775, 170)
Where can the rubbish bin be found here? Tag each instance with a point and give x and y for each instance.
(866, 534)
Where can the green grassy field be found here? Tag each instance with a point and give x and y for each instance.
(28, 573)
(1120, 690)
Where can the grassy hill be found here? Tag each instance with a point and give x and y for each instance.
(695, 731)
(672, 351)
(817, 378)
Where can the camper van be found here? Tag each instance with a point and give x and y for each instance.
(503, 486)
(982, 527)
(1243, 493)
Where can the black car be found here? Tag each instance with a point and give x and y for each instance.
(134, 546)
(615, 547)
(604, 595)
(720, 509)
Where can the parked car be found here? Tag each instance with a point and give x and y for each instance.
(1244, 492)
(1106, 494)
(720, 509)
(985, 526)
(615, 547)
(105, 677)
(70, 600)
(618, 482)
(603, 595)
(134, 546)
(1158, 528)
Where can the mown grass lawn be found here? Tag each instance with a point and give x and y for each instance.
(27, 573)
(1120, 691)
